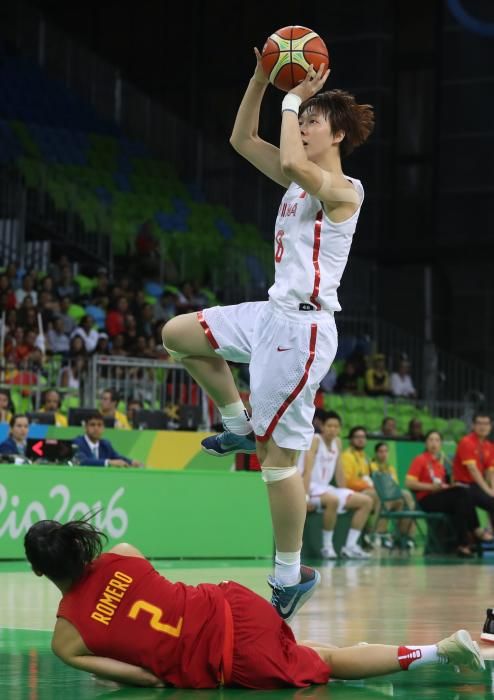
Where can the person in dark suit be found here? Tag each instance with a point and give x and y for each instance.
(15, 444)
(92, 451)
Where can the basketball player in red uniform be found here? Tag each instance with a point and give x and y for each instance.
(289, 341)
(121, 620)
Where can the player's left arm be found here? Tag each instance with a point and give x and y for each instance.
(113, 670)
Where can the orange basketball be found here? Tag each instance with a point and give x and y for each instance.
(288, 53)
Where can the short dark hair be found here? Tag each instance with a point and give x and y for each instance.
(333, 415)
(378, 445)
(113, 393)
(386, 419)
(481, 414)
(356, 429)
(15, 417)
(94, 415)
(430, 432)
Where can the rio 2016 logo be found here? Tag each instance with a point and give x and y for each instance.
(109, 518)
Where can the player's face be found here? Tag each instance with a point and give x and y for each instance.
(482, 426)
(433, 443)
(330, 428)
(316, 134)
(94, 429)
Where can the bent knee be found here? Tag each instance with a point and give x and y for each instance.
(170, 334)
(329, 500)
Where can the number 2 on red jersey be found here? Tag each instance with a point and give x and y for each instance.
(156, 621)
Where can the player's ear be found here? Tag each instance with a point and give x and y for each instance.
(339, 136)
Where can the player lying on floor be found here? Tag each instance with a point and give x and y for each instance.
(121, 620)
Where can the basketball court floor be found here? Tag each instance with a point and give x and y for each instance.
(388, 600)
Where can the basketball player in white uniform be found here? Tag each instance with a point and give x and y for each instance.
(318, 466)
(289, 341)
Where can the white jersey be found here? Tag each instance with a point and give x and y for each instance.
(310, 252)
(324, 466)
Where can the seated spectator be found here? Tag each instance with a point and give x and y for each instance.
(5, 406)
(77, 347)
(67, 286)
(348, 381)
(71, 374)
(118, 346)
(88, 332)
(166, 307)
(6, 289)
(388, 428)
(57, 340)
(328, 382)
(51, 404)
(92, 451)
(415, 431)
(133, 405)
(15, 444)
(381, 464)
(100, 294)
(115, 318)
(27, 289)
(68, 322)
(103, 345)
(377, 377)
(189, 298)
(318, 466)
(401, 381)
(130, 333)
(426, 477)
(145, 320)
(108, 408)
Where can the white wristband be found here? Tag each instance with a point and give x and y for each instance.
(291, 103)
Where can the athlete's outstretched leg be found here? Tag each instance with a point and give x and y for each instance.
(349, 663)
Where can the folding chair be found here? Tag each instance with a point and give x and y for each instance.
(388, 490)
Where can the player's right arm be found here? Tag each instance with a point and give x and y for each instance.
(245, 137)
(309, 460)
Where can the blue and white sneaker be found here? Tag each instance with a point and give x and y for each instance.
(289, 599)
(228, 443)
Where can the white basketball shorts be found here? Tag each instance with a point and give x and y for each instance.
(342, 495)
(287, 357)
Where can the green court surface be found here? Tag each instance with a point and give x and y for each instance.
(388, 600)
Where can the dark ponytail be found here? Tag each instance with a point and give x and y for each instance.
(62, 552)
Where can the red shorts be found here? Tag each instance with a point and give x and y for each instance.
(265, 653)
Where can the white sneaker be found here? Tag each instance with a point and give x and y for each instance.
(354, 552)
(328, 553)
(461, 650)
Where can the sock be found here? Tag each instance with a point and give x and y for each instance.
(352, 537)
(236, 418)
(327, 538)
(419, 656)
(287, 567)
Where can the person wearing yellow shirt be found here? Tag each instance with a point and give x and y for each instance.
(5, 413)
(357, 471)
(377, 381)
(108, 408)
(381, 464)
(51, 404)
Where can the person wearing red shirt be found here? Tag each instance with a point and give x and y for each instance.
(473, 465)
(427, 477)
(121, 620)
(115, 318)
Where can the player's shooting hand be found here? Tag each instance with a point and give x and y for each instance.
(312, 83)
(259, 74)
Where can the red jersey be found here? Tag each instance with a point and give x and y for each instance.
(125, 610)
(426, 468)
(472, 450)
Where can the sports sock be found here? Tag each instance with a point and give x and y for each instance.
(287, 567)
(327, 538)
(352, 537)
(413, 657)
(236, 418)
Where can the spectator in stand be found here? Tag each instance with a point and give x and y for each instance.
(88, 332)
(57, 341)
(103, 345)
(415, 430)
(377, 377)
(133, 405)
(5, 406)
(166, 307)
(108, 409)
(93, 451)
(100, 294)
(74, 371)
(11, 272)
(328, 382)
(118, 346)
(27, 316)
(67, 286)
(77, 347)
(115, 318)
(389, 429)
(145, 320)
(26, 345)
(401, 381)
(27, 289)
(5, 288)
(381, 464)
(51, 404)
(473, 464)
(47, 284)
(68, 322)
(348, 381)
(47, 307)
(55, 269)
(427, 478)
(15, 444)
(189, 298)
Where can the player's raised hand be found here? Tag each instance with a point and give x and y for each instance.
(259, 74)
(312, 83)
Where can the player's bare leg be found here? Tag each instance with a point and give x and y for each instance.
(350, 663)
(329, 515)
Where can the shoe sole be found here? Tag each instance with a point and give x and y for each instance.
(225, 454)
(305, 597)
(486, 637)
(465, 641)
